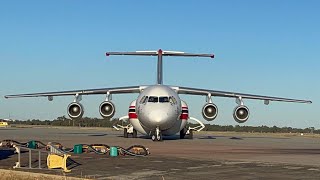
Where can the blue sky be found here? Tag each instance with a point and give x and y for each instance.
(261, 47)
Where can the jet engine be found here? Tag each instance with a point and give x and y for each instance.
(209, 111)
(241, 114)
(107, 109)
(75, 110)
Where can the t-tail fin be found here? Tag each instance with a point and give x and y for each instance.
(160, 54)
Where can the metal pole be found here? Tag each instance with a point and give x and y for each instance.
(39, 159)
(19, 158)
(30, 158)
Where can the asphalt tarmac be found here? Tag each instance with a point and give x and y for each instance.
(210, 155)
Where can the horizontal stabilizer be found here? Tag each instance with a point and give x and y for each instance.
(160, 52)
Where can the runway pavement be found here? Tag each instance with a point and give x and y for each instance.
(211, 155)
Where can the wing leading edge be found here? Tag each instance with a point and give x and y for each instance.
(116, 90)
(206, 92)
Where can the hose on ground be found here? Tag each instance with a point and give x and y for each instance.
(135, 150)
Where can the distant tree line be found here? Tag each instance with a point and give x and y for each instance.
(64, 121)
(98, 122)
(261, 129)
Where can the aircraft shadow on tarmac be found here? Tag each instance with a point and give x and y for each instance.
(89, 134)
(174, 137)
(278, 151)
(215, 137)
(177, 137)
(6, 153)
(241, 138)
(97, 135)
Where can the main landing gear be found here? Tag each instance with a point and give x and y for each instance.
(127, 131)
(185, 132)
(157, 135)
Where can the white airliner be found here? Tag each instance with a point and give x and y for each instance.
(158, 111)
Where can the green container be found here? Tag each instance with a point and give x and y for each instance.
(32, 145)
(113, 151)
(77, 149)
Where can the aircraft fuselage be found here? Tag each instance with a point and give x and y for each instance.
(158, 106)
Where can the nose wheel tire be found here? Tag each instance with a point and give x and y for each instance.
(125, 133)
(183, 133)
(134, 134)
(190, 134)
(157, 135)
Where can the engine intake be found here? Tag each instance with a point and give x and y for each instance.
(107, 109)
(75, 110)
(209, 111)
(241, 114)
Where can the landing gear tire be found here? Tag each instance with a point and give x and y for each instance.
(125, 133)
(159, 137)
(153, 137)
(134, 134)
(190, 134)
(182, 133)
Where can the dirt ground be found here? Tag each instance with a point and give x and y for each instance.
(210, 155)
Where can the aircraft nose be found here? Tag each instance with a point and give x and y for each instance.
(162, 119)
(158, 116)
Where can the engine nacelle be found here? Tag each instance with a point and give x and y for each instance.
(75, 110)
(107, 109)
(209, 111)
(241, 114)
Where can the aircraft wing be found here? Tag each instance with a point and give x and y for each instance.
(206, 92)
(116, 90)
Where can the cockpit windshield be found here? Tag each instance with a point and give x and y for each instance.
(153, 99)
(164, 99)
(156, 99)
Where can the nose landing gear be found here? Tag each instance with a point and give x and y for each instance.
(157, 135)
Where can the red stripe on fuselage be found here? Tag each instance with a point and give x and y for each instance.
(133, 115)
(184, 116)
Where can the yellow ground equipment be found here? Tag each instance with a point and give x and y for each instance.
(4, 124)
(58, 161)
(57, 158)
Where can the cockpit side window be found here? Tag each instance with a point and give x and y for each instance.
(144, 100)
(153, 99)
(172, 100)
(164, 99)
